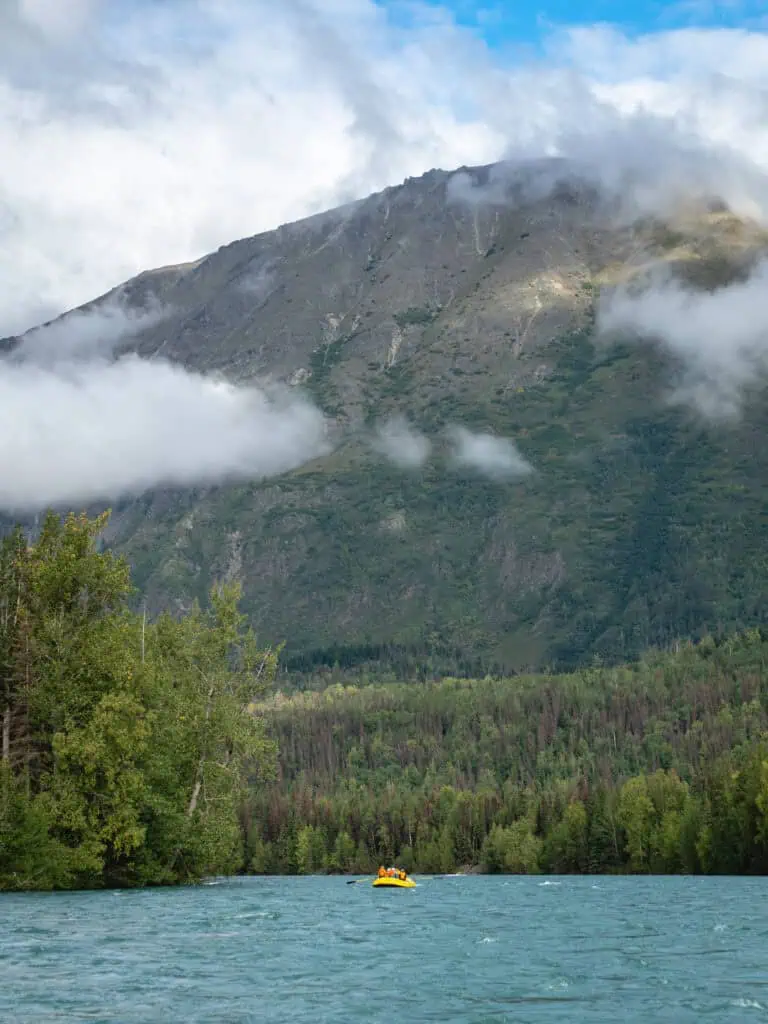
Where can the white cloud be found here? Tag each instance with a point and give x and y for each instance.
(189, 125)
(259, 282)
(78, 425)
(720, 337)
(401, 444)
(97, 430)
(495, 457)
(649, 144)
(156, 132)
(135, 135)
(54, 18)
(82, 335)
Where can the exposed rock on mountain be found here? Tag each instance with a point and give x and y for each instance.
(508, 485)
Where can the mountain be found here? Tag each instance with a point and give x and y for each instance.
(463, 301)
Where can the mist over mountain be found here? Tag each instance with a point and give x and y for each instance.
(495, 416)
(509, 412)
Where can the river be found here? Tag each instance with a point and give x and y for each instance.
(468, 950)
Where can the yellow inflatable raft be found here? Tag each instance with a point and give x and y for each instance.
(393, 883)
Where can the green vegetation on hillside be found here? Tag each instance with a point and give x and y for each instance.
(641, 523)
(139, 753)
(124, 745)
(661, 766)
(643, 520)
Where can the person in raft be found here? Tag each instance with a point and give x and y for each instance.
(392, 873)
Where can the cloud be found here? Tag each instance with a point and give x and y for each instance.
(644, 146)
(495, 457)
(719, 337)
(78, 425)
(260, 282)
(83, 335)
(136, 134)
(165, 131)
(401, 444)
(55, 19)
(100, 431)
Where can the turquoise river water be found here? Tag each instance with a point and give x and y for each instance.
(467, 950)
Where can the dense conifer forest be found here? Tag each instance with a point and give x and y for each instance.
(660, 766)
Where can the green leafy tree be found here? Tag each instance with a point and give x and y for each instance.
(567, 847)
(127, 747)
(636, 815)
(343, 857)
(512, 850)
(310, 851)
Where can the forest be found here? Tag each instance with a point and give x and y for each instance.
(126, 744)
(157, 752)
(656, 767)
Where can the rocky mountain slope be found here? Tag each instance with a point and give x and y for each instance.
(639, 520)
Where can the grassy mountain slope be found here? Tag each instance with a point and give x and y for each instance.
(640, 522)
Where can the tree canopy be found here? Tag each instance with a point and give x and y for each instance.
(660, 766)
(125, 744)
(137, 752)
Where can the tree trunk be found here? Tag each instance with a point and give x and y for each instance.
(7, 735)
(199, 777)
(195, 793)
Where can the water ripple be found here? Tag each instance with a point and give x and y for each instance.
(458, 951)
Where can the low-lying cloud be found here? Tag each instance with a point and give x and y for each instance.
(77, 425)
(720, 337)
(486, 454)
(399, 442)
(492, 456)
(260, 282)
(85, 334)
(636, 162)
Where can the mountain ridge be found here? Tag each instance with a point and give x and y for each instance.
(636, 522)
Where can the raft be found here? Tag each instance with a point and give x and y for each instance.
(393, 883)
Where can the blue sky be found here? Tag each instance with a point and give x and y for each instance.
(516, 22)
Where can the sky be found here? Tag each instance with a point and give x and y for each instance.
(512, 24)
(137, 133)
